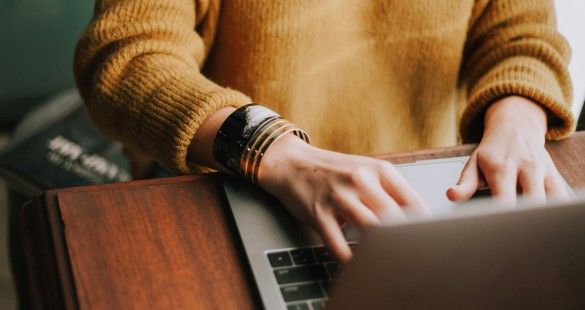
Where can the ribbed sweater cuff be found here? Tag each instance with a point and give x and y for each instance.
(174, 114)
(521, 76)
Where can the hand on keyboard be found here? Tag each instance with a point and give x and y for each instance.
(327, 189)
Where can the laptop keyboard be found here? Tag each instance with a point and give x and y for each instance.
(304, 275)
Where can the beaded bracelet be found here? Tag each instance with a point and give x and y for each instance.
(245, 136)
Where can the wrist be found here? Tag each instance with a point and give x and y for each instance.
(517, 112)
(246, 135)
(281, 159)
(200, 148)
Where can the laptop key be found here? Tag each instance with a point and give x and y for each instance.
(318, 305)
(353, 246)
(300, 274)
(327, 285)
(482, 192)
(303, 256)
(323, 254)
(298, 307)
(301, 292)
(279, 259)
(333, 269)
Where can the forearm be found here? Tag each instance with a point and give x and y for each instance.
(516, 112)
(526, 58)
(200, 150)
(137, 68)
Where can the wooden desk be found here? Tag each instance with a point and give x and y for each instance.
(165, 243)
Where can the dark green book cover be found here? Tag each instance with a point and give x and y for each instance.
(57, 146)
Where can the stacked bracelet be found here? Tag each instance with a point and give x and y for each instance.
(245, 136)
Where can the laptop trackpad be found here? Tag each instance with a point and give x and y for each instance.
(431, 179)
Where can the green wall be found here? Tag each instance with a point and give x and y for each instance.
(37, 40)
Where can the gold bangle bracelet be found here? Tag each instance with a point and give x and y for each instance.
(259, 143)
(267, 141)
(251, 148)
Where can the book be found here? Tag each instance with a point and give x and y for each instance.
(56, 146)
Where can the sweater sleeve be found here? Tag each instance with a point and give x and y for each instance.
(513, 48)
(137, 66)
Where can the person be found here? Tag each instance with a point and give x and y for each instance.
(173, 81)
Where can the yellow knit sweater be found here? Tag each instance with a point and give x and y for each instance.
(363, 77)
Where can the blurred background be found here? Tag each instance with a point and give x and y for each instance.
(36, 51)
(571, 22)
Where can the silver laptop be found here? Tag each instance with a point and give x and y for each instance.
(467, 255)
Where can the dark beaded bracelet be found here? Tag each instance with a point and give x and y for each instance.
(233, 135)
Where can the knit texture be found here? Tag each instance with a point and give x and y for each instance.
(363, 77)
